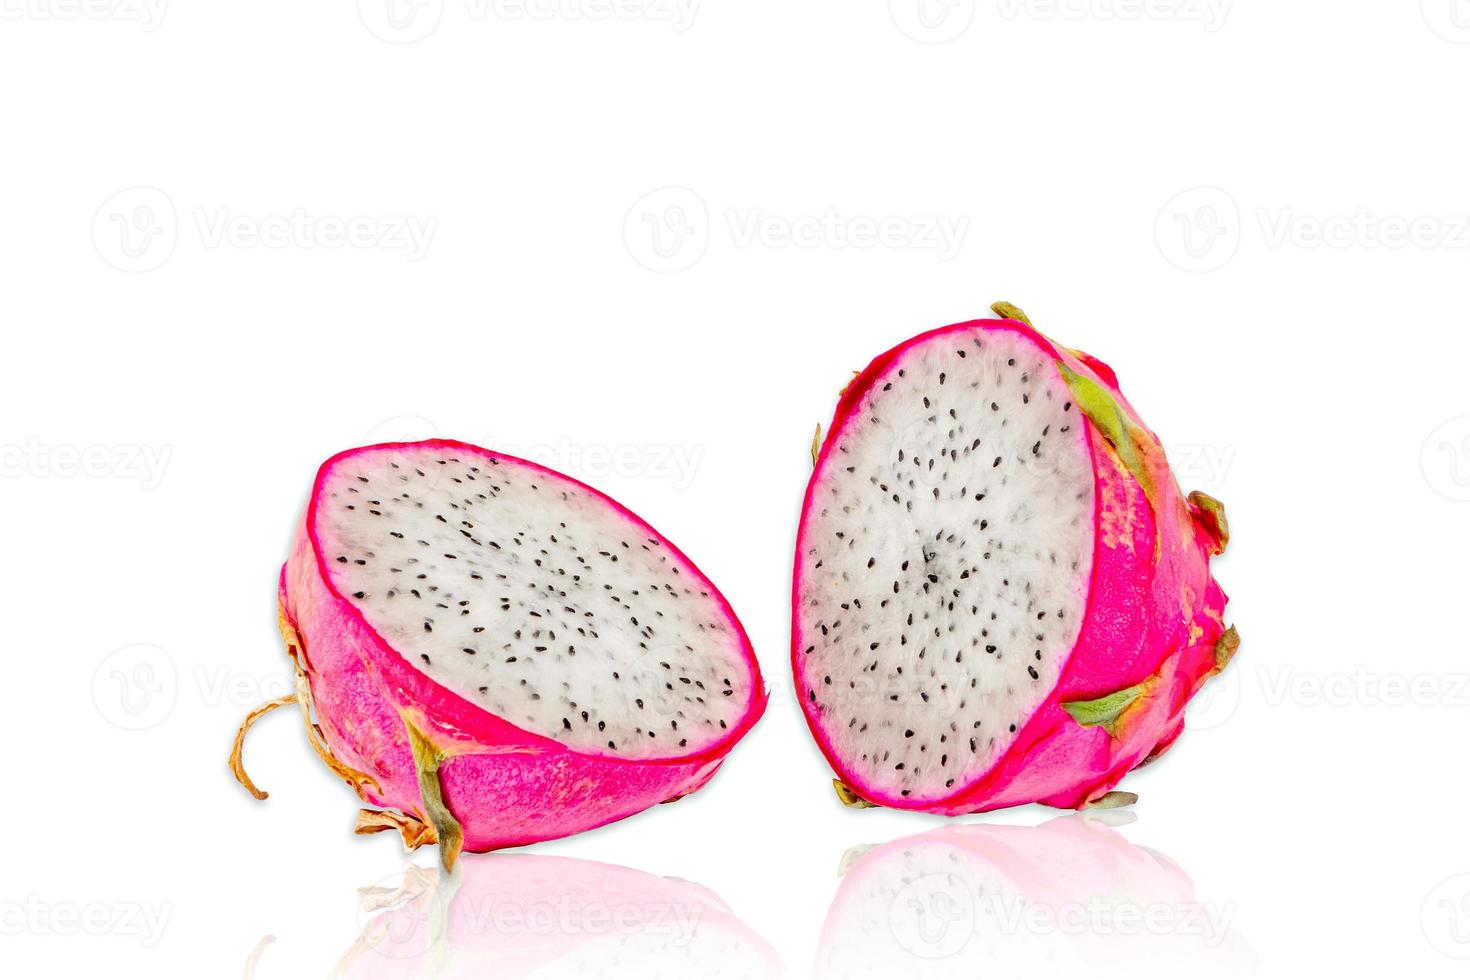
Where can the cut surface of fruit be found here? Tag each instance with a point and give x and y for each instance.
(944, 562)
(492, 654)
(525, 593)
(1000, 594)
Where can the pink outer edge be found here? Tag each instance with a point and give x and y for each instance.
(366, 679)
(847, 405)
(1050, 758)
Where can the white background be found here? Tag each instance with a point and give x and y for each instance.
(648, 246)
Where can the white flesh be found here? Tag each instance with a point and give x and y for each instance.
(946, 562)
(534, 599)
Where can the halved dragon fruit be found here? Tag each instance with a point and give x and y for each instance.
(1000, 595)
(499, 654)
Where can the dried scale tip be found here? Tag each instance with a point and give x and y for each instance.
(850, 799)
(415, 832)
(1010, 311)
(237, 765)
(1225, 648)
(817, 444)
(302, 698)
(1209, 514)
(1113, 800)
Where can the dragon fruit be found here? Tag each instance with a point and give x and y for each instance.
(491, 653)
(1000, 596)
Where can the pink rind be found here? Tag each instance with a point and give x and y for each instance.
(505, 785)
(1137, 627)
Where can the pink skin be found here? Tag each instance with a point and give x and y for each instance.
(1148, 616)
(505, 785)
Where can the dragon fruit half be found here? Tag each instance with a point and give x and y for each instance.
(1001, 596)
(498, 654)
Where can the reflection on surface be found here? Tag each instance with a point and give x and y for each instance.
(1072, 894)
(528, 915)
